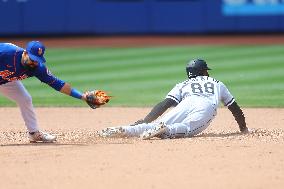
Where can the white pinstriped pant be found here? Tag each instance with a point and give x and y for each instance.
(188, 118)
(16, 92)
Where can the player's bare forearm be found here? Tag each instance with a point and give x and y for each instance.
(67, 89)
(239, 116)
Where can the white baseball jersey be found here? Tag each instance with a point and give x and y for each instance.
(203, 87)
(198, 99)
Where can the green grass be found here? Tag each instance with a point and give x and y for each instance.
(143, 76)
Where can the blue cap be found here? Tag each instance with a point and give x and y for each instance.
(35, 51)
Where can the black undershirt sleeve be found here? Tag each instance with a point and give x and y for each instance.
(239, 115)
(157, 111)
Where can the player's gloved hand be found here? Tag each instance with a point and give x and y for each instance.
(96, 98)
(137, 122)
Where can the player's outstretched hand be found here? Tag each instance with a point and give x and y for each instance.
(96, 98)
(245, 131)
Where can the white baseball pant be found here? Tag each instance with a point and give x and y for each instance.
(16, 92)
(187, 119)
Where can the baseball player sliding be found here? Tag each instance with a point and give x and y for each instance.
(195, 103)
(16, 64)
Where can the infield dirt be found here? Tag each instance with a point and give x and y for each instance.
(218, 158)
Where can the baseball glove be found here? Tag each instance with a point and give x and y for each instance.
(96, 98)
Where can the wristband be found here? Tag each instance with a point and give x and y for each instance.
(76, 94)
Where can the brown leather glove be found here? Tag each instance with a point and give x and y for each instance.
(96, 98)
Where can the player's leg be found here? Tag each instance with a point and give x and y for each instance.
(187, 119)
(158, 130)
(16, 91)
(197, 119)
(126, 131)
(137, 130)
(173, 120)
(198, 123)
(165, 128)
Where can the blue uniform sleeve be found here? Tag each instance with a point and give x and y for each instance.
(44, 75)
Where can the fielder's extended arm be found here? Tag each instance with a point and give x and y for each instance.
(239, 116)
(94, 98)
(68, 90)
(157, 110)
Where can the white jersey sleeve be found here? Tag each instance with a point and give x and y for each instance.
(175, 93)
(226, 97)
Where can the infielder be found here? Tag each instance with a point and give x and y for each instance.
(195, 103)
(16, 64)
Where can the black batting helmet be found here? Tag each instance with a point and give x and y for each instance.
(196, 67)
